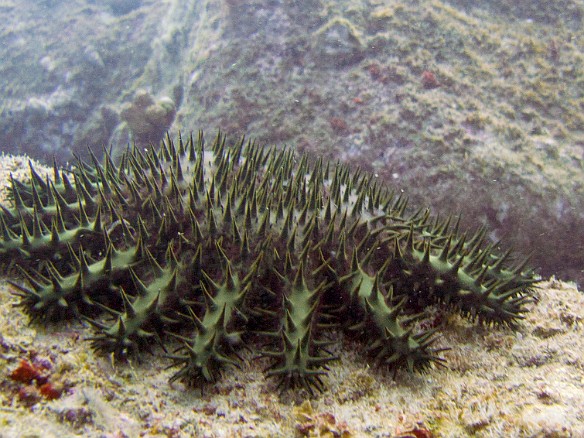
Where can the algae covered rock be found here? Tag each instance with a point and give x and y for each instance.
(121, 7)
(148, 119)
(337, 44)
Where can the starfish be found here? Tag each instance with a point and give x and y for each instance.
(224, 246)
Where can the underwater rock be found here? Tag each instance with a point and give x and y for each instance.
(337, 44)
(98, 130)
(148, 119)
(121, 7)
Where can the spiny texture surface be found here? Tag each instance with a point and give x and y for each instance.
(222, 246)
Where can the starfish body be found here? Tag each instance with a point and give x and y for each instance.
(222, 246)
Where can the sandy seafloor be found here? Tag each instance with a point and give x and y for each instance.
(498, 383)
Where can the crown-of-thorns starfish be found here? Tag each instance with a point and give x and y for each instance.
(225, 246)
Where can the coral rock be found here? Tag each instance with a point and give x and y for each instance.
(147, 118)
